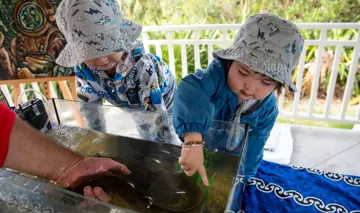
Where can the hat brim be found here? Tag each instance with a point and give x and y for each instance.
(260, 63)
(76, 53)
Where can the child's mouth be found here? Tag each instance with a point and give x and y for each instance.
(245, 95)
(107, 65)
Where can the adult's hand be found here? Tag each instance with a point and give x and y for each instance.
(36, 154)
(86, 168)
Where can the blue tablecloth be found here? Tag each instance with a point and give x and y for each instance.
(279, 188)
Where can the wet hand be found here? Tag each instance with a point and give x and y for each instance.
(97, 193)
(86, 168)
(192, 161)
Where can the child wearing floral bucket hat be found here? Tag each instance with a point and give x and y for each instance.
(238, 86)
(110, 63)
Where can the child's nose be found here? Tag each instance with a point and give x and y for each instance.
(253, 84)
(248, 84)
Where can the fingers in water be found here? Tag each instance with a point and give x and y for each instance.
(101, 195)
(118, 168)
(202, 173)
(88, 192)
(96, 193)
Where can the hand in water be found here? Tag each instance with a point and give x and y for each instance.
(192, 161)
(86, 168)
(97, 193)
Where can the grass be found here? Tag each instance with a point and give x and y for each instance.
(197, 179)
(315, 123)
(319, 109)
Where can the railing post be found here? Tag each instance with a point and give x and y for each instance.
(145, 38)
(196, 50)
(281, 101)
(35, 87)
(184, 60)
(351, 77)
(210, 51)
(24, 98)
(332, 82)
(171, 53)
(315, 83)
(4, 89)
(299, 80)
(158, 50)
(224, 35)
(16, 93)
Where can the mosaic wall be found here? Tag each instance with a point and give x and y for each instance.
(30, 40)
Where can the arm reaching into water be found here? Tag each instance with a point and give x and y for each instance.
(192, 160)
(193, 114)
(25, 149)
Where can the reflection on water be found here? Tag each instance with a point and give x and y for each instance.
(156, 183)
(128, 194)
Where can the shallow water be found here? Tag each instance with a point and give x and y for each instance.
(156, 184)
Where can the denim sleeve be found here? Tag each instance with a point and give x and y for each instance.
(192, 109)
(256, 142)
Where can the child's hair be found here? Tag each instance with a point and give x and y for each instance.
(228, 64)
(279, 87)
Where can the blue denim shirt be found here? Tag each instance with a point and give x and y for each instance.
(205, 96)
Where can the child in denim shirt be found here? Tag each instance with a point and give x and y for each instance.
(238, 86)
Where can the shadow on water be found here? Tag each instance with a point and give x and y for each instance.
(156, 183)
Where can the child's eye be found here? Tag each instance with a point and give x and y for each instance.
(267, 82)
(243, 73)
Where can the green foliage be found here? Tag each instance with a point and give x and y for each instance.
(186, 12)
(156, 12)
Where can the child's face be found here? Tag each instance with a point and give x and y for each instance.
(105, 62)
(248, 84)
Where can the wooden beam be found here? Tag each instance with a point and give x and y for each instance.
(46, 83)
(38, 80)
(73, 89)
(65, 90)
(16, 93)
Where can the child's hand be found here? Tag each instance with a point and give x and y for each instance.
(192, 160)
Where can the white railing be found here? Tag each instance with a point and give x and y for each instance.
(224, 35)
(176, 50)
